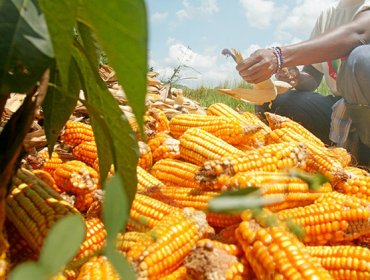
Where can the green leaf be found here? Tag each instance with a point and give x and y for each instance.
(28, 270)
(314, 181)
(25, 46)
(116, 208)
(61, 18)
(89, 44)
(104, 110)
(237, 201)
(59, 104)
(119, 262)
(121, 30)
(62, 243)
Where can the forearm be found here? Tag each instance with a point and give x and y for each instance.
(335, 44)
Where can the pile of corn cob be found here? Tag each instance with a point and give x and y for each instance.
(185, 160)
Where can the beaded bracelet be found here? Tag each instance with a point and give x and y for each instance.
(279, 57)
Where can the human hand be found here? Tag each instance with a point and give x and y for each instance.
(258, 67)
(290, 75)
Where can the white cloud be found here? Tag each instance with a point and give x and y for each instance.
(180, 54)
(261, 13)
(193, 8)
(208, 68)
(156, 17)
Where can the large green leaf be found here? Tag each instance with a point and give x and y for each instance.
(119, 262)
(59, 104)
(89, 44)
(28, 270)
(121, 30)
(61, 18)
(60, 245)
(25, 46)
(116, 208)
(104, 110)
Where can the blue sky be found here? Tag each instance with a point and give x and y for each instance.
(193, 33)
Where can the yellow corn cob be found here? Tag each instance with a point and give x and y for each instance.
(86, 152)
(289, 191)
(255, 140)
(76, 132)
(83, 201)
(19, 250)
(146, 158)
(161, 120)
(176, 173)
(341, 154)
(47, 178)
(197, 146)
(273, 157)
(33, 208)
(343, 262)
(178, 274)
(209, 260)
(164, 146)
(195, 198)
(357, 186)
(145, 180)
(125, 242)
(221, 221)
(227, 129)
(173, 239)
(276, 122)
(94, 241)
(146, 212)
(353, 171)
(98, 268)
(254, 119)
(331, 219)
(76, 177)
(275, 253)
(183, 197)
(43, 162)
(319, 158)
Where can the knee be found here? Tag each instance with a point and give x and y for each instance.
(359, 60)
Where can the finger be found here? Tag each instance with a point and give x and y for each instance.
(258, 77)
(247, 63)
